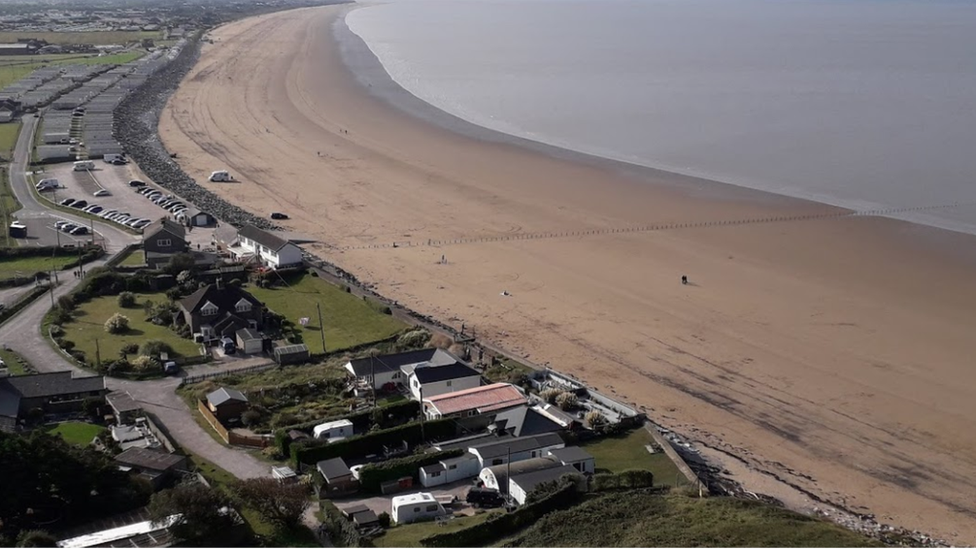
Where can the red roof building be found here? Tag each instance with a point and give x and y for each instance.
(476, 401)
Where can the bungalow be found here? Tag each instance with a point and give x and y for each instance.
(425, 380)
(268, 249)
(449, 470)
(291, 354)
(527, 474)
(512, 450)
(227, 404)
(575, 457)
(154, 465)
(337, 476)
(470, 402)
(216, 311)
(524, 422)
(161, 240)
(51, 393)
(379, 371)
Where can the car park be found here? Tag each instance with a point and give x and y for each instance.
(68, 227)
(142, 223)
(102, 192)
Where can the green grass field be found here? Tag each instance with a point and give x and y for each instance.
(80, 434)
(13, 73)
(349, 321)
(27, 266)
(92, 38)
(10, 358)
(8, 138)
(111, 59)
(639, 519)
(620, 453)
(89, 324)
(8, 206)
(409, 535)
(135, 258)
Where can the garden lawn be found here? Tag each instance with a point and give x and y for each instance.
(27, 266)
(620, 453)
(409, 535)
(12, 73)
(135, 258)
(80, 434)
(88, 325)
(10, 358)
(8, 138)
(349, 321)
(91, 38)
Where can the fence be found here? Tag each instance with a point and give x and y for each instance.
(230, 437)
(239, 371)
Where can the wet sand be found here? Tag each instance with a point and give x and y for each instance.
(832, 351)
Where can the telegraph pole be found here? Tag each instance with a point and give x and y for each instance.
(372, 379)
(508, 473)
(423, 415)
(318, 307)
(98, 354)
(92, 224)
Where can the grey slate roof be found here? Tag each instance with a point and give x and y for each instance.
(393, 363)
(501, 472)
(164, 224)
(9, 403)
(515, 445)
(470, 441)
(248, 333)
(525, 422)
(224, 394)
(571, 454)
(224, 298)
(333, 468)
(122, 402)
(264, 238)
(144, 458)
(52, 384)
(432, 374)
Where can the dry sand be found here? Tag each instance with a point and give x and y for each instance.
(836, 354)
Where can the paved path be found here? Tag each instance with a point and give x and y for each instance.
(22, 334)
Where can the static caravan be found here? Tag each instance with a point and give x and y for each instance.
(414, 507)
(84, 165)
(333, 430)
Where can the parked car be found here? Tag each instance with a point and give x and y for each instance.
(278, 215)
(94, 209)
(228, 345)
(137, 183)
(79, 230)
(67, 201)
(79, 204)
(62, 223)
(107, 213)
(68, 228)
(146, 190)
(141, 223)
(484, 497)
(102, 192)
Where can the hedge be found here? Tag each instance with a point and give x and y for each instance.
(631, 478)
(89, 253)
(361, 421)
(23, 302)
(490, 531)
(312, 452)
(372, 476)
(342, 532)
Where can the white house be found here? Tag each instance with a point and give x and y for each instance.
(449, 470)
(413, 507)
(381, 370)
(521, 485)
(270, 249)
(515, 449)
(428, 380)
(333, 430)
(575, 457)
(475, 401)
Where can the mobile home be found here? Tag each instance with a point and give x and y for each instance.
(414, 507)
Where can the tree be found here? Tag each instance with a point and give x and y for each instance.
(179, 263)
(199, 509)
(145, 363)
(117, 324)
(250, 417)
(384, 519)
(127, 299)
(567, 400)
(155, 347)
(184, 277)
(91, 406)
(549, 395)
(277, 503)
(66, 303)
(36, 538)
(594, 419)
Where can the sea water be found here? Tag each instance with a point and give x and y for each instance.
(869, 104)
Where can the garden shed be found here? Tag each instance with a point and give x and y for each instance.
(291, 354)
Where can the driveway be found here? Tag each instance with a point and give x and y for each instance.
(380, 504)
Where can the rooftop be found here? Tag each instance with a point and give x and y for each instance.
(528, 481)
(167, 224)
(122, 402)
(516, 445)
(419, 497)
(264, 238)
(391, 363)
(333, 468)
(152, 460)
(224, 394)
(570, 454)
(225, 298)
(433, 374)
(524, 421)
(51, 384)
(486, 398)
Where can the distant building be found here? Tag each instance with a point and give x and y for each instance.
(525, 422)
(227, 404)
(161, 240)
(268, 249)
(429, 381)
(520, 486)
(17, 49)
(125, 409)
(337, 476)
(470, 402)
(515, 450)
(155, 465)
(216, 311)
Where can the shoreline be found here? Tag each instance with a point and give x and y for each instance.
(795, 355)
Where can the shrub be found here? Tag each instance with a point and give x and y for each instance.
(567, 401)
(174, 293)
(372, 443)
(250, 417)
(272, 452)
(79, 356)
(130, 349)
(117, 324)
(145, 363)
(127, 299)
(36, 538)
(66, 344)
(383, 517)
(60, 316)
(184, 277)
(57, 331)
(594, 419)
(67, 303)
(414, 339)
(373, 475)
(549, 395)
(155, 347)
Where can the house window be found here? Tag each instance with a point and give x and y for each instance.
(396, 375)
(431, 508)
(496, 461)
(243, 306)
(452, 467)
(416, 383)
(416, 509)
(209, 309)
(164, 242)
(449, 383)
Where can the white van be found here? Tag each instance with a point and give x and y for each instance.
(84, 165)
(220, 176)
(47, 184)
(114, 158)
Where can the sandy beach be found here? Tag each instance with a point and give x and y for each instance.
(834, 352)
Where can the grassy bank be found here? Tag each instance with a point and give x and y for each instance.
(12, 361)
(409, 535)
(92, 38)
(135, 258)
(8, 139)
(349, 321)
(80, 434)
(8, 204)
(639, 519)
(620, 453)
(26, 266)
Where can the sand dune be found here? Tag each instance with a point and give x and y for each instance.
(833, 352)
